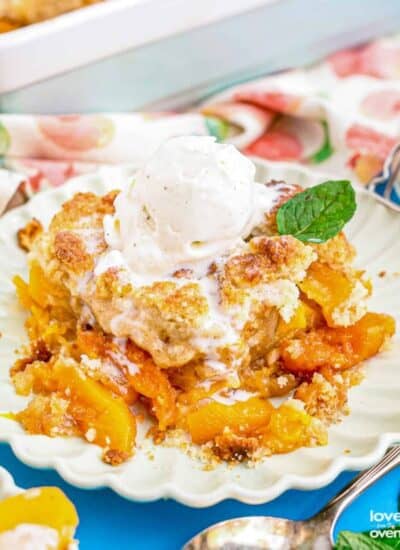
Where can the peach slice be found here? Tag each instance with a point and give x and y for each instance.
(339, 348)
(242, 418)
(291, 427)
(153, 383)
(91, 406)
(47, 506)
(327, 287)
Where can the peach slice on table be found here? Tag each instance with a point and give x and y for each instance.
(242, 418)
(46, 506)
(91, 406)
(339, 348)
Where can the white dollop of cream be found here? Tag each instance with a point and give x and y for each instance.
(28, 536)
(192, 201)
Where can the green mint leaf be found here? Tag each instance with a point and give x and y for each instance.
(217, 128)
(318, 213)
(358, 541)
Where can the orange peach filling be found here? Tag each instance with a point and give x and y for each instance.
(47, 507)
(87, 382)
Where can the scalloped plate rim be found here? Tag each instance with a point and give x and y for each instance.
(223, 492)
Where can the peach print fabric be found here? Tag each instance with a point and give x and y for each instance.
(341, 117)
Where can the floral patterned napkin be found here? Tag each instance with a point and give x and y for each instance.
(341, 117)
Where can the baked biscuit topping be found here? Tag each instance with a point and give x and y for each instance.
(202, 343)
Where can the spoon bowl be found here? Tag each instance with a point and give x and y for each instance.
(255, 533)
(268, 533)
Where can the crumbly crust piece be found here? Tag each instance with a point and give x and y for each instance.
(27, 235)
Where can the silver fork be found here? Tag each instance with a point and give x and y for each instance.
(316, 533)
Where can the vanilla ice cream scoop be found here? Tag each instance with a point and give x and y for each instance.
(192, 200)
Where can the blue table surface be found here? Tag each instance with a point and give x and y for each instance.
(109, 521)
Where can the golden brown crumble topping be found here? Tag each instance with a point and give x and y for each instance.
(338, 253)
(27, 235)
(70, 249)
(287, 191)
(202, 354)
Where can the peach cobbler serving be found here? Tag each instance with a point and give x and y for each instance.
(201, 295)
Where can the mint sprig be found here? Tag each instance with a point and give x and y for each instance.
(318, 213)
(349, 540)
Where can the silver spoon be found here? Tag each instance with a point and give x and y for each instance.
(316, 533)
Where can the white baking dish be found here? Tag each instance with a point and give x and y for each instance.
(125, 54)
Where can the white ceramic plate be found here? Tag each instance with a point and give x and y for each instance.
(7, 485)
(356, 443)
